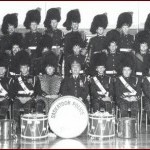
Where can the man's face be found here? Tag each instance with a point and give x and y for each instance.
(15, 49)
(76, 49)
(126, 71)
(143, 48)
(54, 24)
(75, 68)
(2, 71)
(50, 70)
(113, 47)
(33, 26)
(100, 69)
(24, 69)
(11, 29)
(100, 31)
(75, 26)
(125, 29)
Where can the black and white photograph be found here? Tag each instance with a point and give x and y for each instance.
(74, 74)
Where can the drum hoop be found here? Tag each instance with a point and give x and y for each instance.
(39, 137)
(106, 136)
(102, 117)
(34, 119)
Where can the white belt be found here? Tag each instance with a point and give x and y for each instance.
(101, 93)
(111, 72)
(139, 73)
(125, 49)
(54, 47)
(32, 47)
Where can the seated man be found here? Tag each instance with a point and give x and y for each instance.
(128, 90)
(75, 85)
(50, 83)
(26, 88)
(6, 89)
(101, 86)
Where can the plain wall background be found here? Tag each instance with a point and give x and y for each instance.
(88, 10)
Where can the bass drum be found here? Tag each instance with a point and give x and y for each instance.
(68, 117)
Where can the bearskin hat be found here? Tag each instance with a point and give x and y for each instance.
(147, 23)
(99, 21)
(32, 16)
(11, 19)
(23, 58)
(45, 42)
(17, 39)
(53, 13)
(99, 59)
(4, 60)
(124, 18)
(141, 37)
(126, 60)
(72, 16)
(50, 59)
(112, 36)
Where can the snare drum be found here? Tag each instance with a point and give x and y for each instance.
(101, 125)
(34, 126)
(68, 117)
(127, 127)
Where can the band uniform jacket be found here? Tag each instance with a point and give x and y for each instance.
(112, 63)
(57, 36)
(7, 84)
(120, 88)
(70, 59)
(126, 41)
(106, 82)
(68, 42)
(140, 62)
(75, 87)
(96, 44)
(32, 83)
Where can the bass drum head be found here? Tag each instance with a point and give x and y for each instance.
(68, 117)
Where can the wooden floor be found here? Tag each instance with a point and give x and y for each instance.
(82, 142)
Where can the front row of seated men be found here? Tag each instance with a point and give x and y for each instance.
(39, 92)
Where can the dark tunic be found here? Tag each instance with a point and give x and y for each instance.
(97, 101)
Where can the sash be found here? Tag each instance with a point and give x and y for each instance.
(26, 90)
(103, 91)
(132, 91)
(148, 78)
(139, 57)
(3, 92)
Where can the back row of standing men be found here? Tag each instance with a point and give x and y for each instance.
(104, 58)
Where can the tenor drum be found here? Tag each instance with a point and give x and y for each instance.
(7, 129)
(101, 125)
(68, 117)
(127, 127)
(34, 126)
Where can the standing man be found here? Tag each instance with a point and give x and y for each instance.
(101, 86)
(9, 25)
(98, 26)
(128, 88)
(124, 22)
(32, 38)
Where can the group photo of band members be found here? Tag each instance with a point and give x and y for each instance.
(110, 70)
